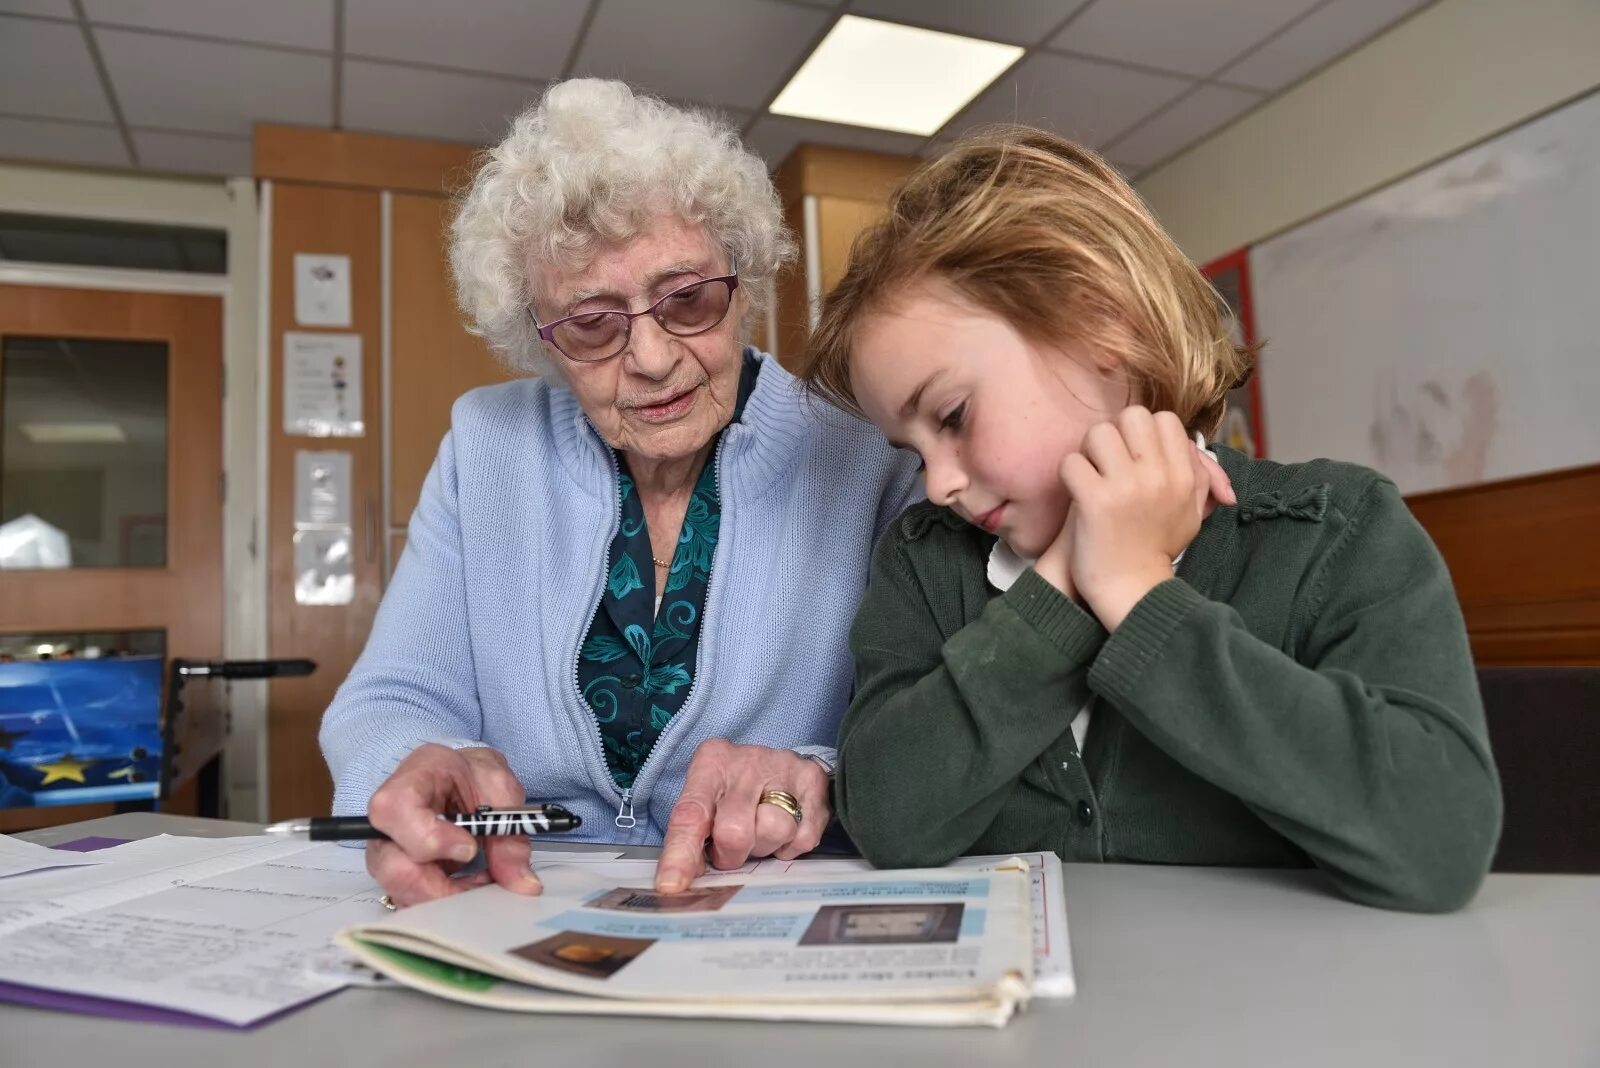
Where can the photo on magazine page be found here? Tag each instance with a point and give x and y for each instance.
(883, 924)
(640, 899)
(594, 956)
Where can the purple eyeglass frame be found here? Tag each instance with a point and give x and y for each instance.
(547, 331)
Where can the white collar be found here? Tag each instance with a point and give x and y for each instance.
(1005, 566)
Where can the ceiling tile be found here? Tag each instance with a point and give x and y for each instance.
(214, 88)
(45, 70)
(731, 52)
(298, 23)
(1023, 22)
(1079, 98)
(61, 9)
(426, 103)
(61, 142)
(164, 151)
(774, 136)
(1323, 35)
(1182, 124)
(1176, 35)
(526, 38)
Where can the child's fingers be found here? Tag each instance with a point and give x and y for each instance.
(1081, 478)
(1141, 434)
(1177, 448)
(1212, 485)
(1104, 448)
(1221, 485)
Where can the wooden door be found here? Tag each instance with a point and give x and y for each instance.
(327, 221)
(434, 359)
(156, 564)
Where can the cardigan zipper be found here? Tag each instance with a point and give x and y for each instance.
(624, 818)
(705, 629)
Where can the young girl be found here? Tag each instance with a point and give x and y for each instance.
(1092, 638)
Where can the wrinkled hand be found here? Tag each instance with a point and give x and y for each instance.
(1140, 489)
(414, 865)
(721, 800)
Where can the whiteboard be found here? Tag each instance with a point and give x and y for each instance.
(1445, 329)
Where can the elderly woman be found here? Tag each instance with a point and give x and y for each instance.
(628, 583)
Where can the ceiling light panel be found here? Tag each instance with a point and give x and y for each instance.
(891, 77)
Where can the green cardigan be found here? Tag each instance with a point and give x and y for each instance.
(1302, 692)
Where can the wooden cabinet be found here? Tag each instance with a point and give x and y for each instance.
(432, 359)
(1522, 553)
(829, 196)
(383, 202)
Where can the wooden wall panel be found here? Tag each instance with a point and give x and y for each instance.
(1525, 557)
(853, 174)
(839, 223)
(433, 360)
(305, 154)
(790, 293)
(319, 219)
(851, 189)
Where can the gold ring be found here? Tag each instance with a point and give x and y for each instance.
(784, 800)
(388, 902)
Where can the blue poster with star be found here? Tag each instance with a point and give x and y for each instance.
(79, 731)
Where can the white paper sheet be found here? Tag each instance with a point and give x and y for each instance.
(321, 290)
(322, 385)
(221, 928)
(18, 857)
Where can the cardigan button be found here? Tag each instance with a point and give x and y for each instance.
(1085, 813)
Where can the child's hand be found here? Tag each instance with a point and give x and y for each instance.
(1139, 490)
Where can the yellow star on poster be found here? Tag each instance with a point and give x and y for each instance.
(65, 768)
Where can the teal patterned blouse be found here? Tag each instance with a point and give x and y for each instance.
(636, 666)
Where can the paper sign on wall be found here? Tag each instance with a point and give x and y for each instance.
(324, 551)
(321, 290)
(322, 385)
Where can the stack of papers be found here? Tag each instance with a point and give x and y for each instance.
(20, 858)
(219, 929)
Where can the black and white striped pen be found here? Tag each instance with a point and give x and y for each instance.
(532, 820)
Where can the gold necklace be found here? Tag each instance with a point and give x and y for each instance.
(661, 563)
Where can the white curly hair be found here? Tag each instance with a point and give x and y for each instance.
(586, 167)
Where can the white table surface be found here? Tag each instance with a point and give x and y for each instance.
(1195, 967)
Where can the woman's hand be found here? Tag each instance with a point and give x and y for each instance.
(721, 800)
(414, 865)
(1140, 489)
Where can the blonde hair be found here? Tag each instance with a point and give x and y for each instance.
(1044, 234)
(588, 166)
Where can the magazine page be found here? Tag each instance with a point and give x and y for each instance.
(927, 935)
(1052, 947)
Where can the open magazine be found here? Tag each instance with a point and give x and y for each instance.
(801, 941)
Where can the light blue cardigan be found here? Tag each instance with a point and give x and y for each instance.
(476, 641)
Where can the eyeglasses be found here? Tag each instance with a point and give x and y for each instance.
(590, 337)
